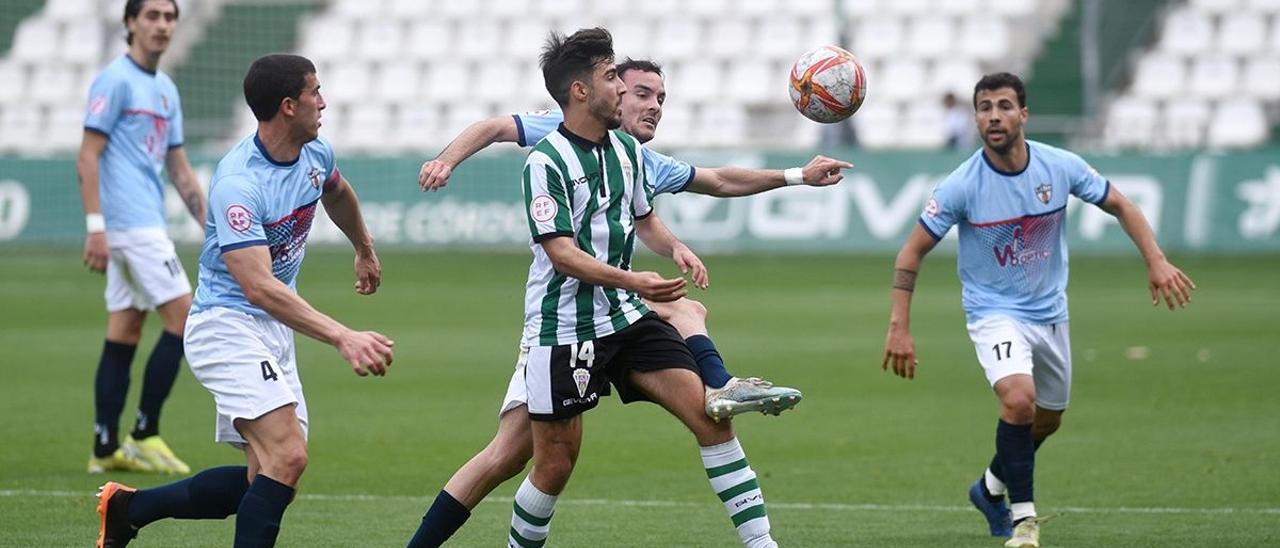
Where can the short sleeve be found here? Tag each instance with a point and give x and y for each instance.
(1086, 183)
(642, 194)
(237, 213)
(329, 163)
(546, 202)
(107, 97)
(667, 174)
(175, 122)
(945, 208)
(532, 127)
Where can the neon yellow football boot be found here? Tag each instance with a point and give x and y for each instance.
(120, 461)
(156, 453)
(1026, 534)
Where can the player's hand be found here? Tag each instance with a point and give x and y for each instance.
(824, 171)
(366, 351)
(434, 175)
(652, 286)
(900, 351)
(95, 252)
(368, 273)
(688, 263)
(1169, 283)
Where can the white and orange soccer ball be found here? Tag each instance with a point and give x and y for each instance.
(828, 84)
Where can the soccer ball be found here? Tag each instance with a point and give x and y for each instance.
(828, 84)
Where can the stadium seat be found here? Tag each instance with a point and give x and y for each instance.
(430, 39)
(878, 38)
(1012, 8)
(327, 37)
(984, 38)
(925, 125)
(1238, 122)
(71, 10)
(368, 126)
(1131, 122)
(901, 80)
(631, 37)
(398, 81)
(1264, 6)
(1216, 6)
(521, 33)
(561, 8)
(35, 40)
(348, 82)
(492, 79)
(458, 116)
(1214, 76)
(14, 76)
(1185, 121)
(409, 9)
(1160, 75)
(1262, 78)
(712, 10)
(55, 83)
(930, 37)
(750, 81)
(677, 124)
(456, 10)
(857, 9)
(478, 38)
(1186, 32)
(698, 80)
(956, 8)
(82, 41)
(729, 37)
(653, 8)
(957, 77)
(1242, 33)
(21, 128)
(877, 124)
(447, 80)
(809, 8)
(65, 127)
(909, 8)
(722, 125)
(677, 38)
(417, 127)
(781, 39)
(380, 39)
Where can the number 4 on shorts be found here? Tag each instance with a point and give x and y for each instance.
(268, 374)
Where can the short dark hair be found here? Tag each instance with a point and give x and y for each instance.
(272, 78)
(566, 59)
(999, 80)
(131, 9)
(642, 65)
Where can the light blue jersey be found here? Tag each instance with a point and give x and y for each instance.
(255, 200)
(140, 114)
(667, 174)
(1013, 238)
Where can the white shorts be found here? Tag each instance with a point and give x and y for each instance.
(1006, 346)
(517, 390)
(247, 363)
(143, 270)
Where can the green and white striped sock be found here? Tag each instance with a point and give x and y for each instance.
(735, 483)
(530, 516)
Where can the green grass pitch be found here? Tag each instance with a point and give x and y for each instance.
(1181, 448)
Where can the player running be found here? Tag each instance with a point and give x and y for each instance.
(725, 395)
(240, 334)
(133, 131)
(1010, 201)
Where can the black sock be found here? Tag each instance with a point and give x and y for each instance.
(110, 386)
(1017, 455)
(210, 494)
(710, 364)
(260, 512)
(162, 371)
(441, 521)
(998, 472)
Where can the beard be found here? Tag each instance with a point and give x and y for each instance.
(1002, 148)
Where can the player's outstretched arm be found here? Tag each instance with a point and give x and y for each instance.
(1163, 279)
(659, 239)
(95, 243)
(569, 260)
(434, 174)
(185, 182)
(899, 348)
(727, 182)
(343, 207)
(366, 351)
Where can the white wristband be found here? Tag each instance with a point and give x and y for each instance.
(93, 222)
(793, 176)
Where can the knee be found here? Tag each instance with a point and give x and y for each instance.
(551, 475)
(692, 310)
(506, 462)
(291, 463)
(1018, 408)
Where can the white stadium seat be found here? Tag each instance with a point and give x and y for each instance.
(36, 39)
(697, 80)
(653, 8)
(901, 80)
(524, 34)
(1131, 122)
(750, 81)
(347, 82)
(14, 77)
(1214, 76)
(368, 126)
(1160, 75)
(460, 115)
(1012, 8)
(398, 81)
(1242, 33)
(712, 10)
(1186, 31)
(677, 38)
(809, 8)
(631, 37)
(984, 38)
(492, 79)
(759, 9)
(925, 125)
(380, 39)
(721, 124)
(71, 10)
(21, 127)
(729, 37)
(1261, 78)
(1216, 6)
(1185, 121)
(65, 127)
(432, 39)
(408, 9)
(958, 7)
(677, 124)
(878, 37)
(931, 37)
(909, 8)
(957, 77)
(1264, 6)
(561, 8)
(55, 83)
(417, 127)
(1238, 123)
(327, 37)
(448, 80)
(877, 124)
(82, 41)
(478, 38)
(781, 39)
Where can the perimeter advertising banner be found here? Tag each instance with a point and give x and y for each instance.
(1202, 202)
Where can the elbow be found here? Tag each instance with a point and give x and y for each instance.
(258, 294)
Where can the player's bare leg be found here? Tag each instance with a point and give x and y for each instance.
(679, 391)
(277, 456)
(1015, 453)
(159, 377)
(500, 460)
(725, 395)
(111, 387)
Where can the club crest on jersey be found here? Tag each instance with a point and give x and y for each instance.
(314, 176)
(238, 218)
(1045, 193)
(581, 377)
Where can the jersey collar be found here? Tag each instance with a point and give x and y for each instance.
(258, 143)
(581, 141)
(993, 167)
(138, 66)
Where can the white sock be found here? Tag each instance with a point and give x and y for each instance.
(994, 485)
(735, 483)
(530, 516)
(1022, 510)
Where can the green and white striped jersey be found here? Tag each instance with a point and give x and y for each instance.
(592, 192)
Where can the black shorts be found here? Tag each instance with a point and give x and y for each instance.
(565, 381)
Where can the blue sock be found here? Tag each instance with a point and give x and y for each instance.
(710, 364)
(261, 509)
(1017, 455)
(110, 386)
(441, 521)
(210, 494)
(162, 371)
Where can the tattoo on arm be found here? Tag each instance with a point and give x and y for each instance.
(904, 279)
(193, 199)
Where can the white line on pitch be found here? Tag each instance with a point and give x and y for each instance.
(834, 506)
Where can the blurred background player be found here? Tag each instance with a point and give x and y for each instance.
(263, 198)
(133, 130)
(1010, 200)
(726, 395)
(959, 121)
